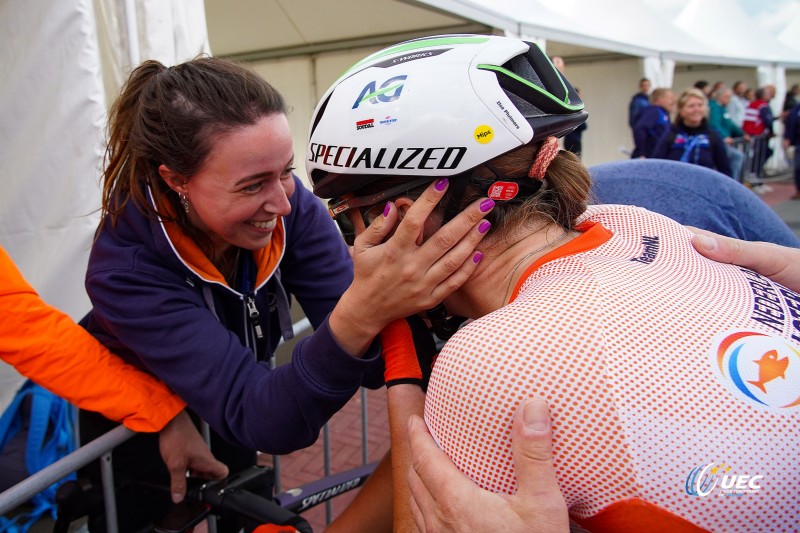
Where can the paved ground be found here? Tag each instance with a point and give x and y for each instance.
(345, 431)
(780, 201)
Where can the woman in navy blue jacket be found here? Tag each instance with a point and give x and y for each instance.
(205, 237)
(690, 139)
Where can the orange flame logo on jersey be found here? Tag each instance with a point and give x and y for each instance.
(770, 367)
(762, 369)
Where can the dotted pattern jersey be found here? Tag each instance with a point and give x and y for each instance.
(673, 380)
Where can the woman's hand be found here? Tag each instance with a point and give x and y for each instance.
(444, 499)
(401, 273)
(781, 264)
(183, 449)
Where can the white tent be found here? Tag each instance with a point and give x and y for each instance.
(59, 58)
(790, 34)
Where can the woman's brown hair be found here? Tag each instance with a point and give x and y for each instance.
(172, 116)
(561, 199)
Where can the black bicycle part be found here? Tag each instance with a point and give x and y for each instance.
(240, 494)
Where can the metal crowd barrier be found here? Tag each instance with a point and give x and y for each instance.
(760, 158)
(756, 156)
(103, 446)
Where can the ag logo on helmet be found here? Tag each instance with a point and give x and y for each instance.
(388, 91)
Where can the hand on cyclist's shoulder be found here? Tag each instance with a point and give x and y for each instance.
(444, 499)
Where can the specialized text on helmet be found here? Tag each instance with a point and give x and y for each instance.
(433, 158)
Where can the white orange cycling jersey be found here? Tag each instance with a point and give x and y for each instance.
(673, 381)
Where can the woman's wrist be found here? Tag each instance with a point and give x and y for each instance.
(352, 328)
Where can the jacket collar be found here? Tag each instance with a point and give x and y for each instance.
(189, 253)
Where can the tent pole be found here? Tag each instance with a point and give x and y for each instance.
(132, 27)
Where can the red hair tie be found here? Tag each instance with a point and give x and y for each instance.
(547, 152)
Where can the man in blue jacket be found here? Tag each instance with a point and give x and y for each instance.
(653, 122)
(639, 101)
(792, 137)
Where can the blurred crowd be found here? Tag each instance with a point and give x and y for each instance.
(729, 129)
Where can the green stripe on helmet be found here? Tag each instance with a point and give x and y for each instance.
(416, 45)
(563, 103)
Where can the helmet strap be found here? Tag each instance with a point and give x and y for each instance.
(443, 325)
(455, 195)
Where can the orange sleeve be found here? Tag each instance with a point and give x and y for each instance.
(399, 353)
(635, 514)
(46, 345)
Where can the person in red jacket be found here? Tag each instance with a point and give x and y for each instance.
(757, 123)
(46, 346)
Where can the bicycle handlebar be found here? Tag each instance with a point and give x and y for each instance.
(247, 494)
(236, 495)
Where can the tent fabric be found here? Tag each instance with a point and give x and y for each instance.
(168, 31)
(557, 21)
(631, 27)
(53, 103)
(725, 25)
(660, 71)
(788, 35)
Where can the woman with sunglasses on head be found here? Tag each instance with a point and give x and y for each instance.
(663, 369)
(205, 238)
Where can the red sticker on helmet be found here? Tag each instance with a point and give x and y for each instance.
(503, 190)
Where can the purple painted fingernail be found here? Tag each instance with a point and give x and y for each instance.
(440, 185)
(484, 226)
(487, 205)
(387, 209)
(477, 257)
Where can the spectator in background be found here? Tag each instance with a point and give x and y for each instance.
(690, 139)
(718, 87)
(792, 99)
(653, 122)
(758, 121)
(704, 87)
(749, 96)
(573, 140)
(639, 101)
(720, 121)
(791, 137)
(738, 103)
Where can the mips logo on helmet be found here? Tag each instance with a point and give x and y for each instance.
(388, 91)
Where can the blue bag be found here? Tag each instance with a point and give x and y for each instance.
(50, 437)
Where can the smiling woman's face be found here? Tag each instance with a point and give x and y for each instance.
(693, 111)
(244, 185)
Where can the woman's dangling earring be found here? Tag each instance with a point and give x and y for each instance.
(184, 202)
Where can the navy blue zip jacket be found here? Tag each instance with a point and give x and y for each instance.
(700, 146)
(160, 304)
(653, 121)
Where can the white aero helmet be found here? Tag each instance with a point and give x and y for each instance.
(433, 107)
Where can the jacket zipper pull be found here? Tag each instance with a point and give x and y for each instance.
(254, 315)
